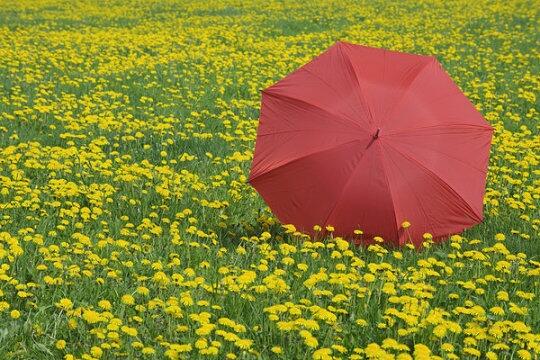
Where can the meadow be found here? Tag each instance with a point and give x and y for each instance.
(128, 228)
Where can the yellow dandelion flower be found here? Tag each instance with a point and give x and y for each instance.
(369, 278)
(244, 344)
(15, 314)
(128, 299)
(64, 304)
(322, 354)
(96, 352)
(500, 237)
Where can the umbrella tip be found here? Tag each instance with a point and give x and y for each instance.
(376, 136)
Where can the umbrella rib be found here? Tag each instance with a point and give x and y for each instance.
(426, 218)
(301, 158)
(419, 144)
(302, 130)
(389, 189)
(484, 128)
(325, 82)
(344, 187)
(337, 116)
(360, 92)
(440, 181)
(406, 91)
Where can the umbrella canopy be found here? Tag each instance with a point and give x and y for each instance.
(366, 138)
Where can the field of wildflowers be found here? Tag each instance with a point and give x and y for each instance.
(127, 227)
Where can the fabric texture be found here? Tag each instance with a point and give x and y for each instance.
(365, 138)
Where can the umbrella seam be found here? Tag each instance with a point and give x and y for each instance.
(302, 130)
(348, 121)
(344, 187)
(389, 191)
(428, 219)
(300, 158)
(406, 91)
(360, 91)
(327, 84)
(485, 128)
(451, 157)
(442, 182)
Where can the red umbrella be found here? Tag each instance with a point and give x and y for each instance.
(366, 138)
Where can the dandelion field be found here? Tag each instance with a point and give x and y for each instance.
(127, 226)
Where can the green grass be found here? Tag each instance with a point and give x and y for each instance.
(95, 65)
